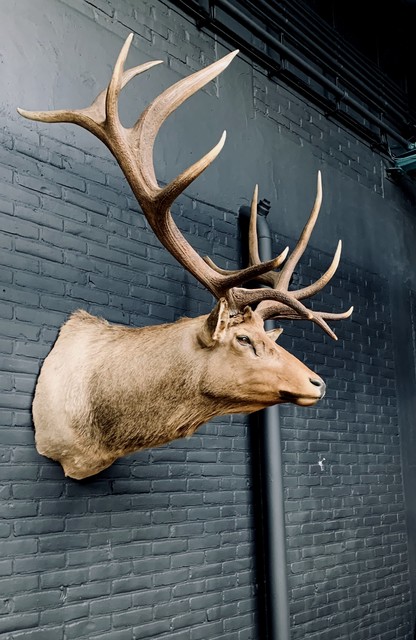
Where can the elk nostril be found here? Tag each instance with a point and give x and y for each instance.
(316, 382)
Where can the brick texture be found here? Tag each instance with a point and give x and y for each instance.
(161, 544)
(305, 124)
(345, 512)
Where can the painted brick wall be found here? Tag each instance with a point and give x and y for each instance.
(161, 544)
(306, 124)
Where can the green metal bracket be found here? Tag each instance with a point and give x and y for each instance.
(406, 163)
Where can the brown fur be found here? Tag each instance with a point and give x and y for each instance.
(107, 390)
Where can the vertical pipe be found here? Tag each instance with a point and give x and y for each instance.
(274, 541)
(266, 445)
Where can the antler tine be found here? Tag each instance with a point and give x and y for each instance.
(147, 126)
(168, 194)
(267, 278)
(277, 310)
(103, 110)
(335, 316)
(271, 278)
(250, 272)
(286, 306)
(115, 86)
(307, 292)
(253, 243)
(281, 279)
(287, 271)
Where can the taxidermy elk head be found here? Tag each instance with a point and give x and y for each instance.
(106, 390)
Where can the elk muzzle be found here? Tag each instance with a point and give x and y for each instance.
(314, 390)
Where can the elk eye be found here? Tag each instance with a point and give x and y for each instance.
(244, 340)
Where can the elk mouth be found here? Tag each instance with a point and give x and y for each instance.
(300, 401)
(305, 400)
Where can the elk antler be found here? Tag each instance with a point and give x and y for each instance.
(270, 307)
(282, 279)
(133, 150)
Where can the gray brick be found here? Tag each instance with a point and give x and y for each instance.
(101, 192)
(87, 592)
(152, 630)
(66, 241)
(115, 570)
(84, 202)
(108, 255)
(36, 601)
(39, 185)
(39, 564)
(18, 622)
(64, 614)
(17, 585)
(62, 272)
(34, 490)
(64, 209)
(123, 634)
(131, 550)
(40, 250)
(85, 231)
(17, 295)
(133, 617)
(17, 227)
(17, 194)
(59, 542)
(63, 177)
(92, 625)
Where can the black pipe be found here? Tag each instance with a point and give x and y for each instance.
(266, 446)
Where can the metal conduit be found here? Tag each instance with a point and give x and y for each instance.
(266, 449)
(313, 73)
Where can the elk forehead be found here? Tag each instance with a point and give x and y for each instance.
(253, 322)
(248, 318)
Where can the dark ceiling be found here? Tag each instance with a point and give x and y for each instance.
(384, 32)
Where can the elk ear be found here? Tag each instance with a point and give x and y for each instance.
(274, 333)
(248, 313)
(216, 324)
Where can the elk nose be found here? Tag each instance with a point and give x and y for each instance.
(317, 382)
